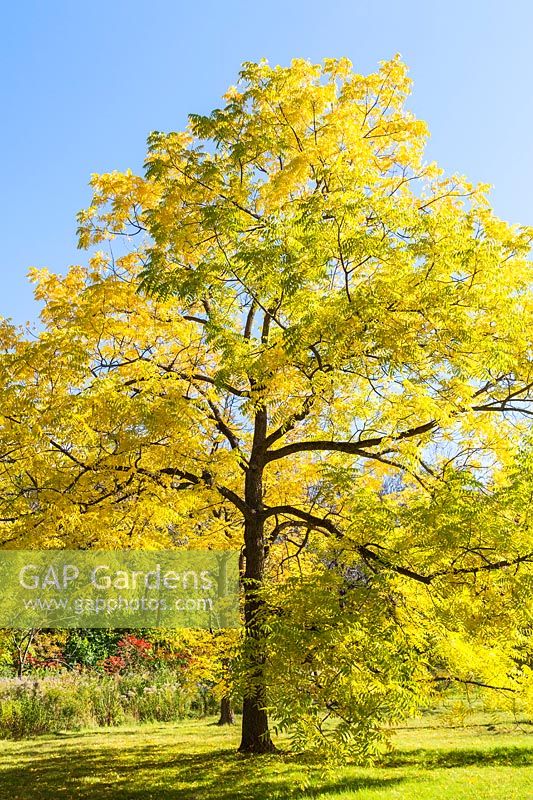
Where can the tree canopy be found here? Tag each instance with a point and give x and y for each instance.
(310, 343)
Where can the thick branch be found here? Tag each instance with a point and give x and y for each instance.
(347, 447)
(205, 479)
(364, 551)
(291, 422)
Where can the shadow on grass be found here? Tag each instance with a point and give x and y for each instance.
(120, 769)
(439, 759)
(146, 774)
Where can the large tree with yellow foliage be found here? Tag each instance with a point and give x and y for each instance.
(301, 309)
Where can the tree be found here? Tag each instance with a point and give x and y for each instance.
(320, 310)
(21, 642)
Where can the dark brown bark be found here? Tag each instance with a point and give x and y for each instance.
(227, 715)
(255, 731)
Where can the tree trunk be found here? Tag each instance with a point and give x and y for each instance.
(255, 732)
(227, 715)
(22, 646)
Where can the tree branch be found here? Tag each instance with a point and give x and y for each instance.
(347, 447)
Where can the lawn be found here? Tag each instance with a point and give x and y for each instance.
(197, 761)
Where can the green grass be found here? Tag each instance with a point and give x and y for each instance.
(197, 761)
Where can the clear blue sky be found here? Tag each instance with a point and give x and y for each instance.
(84, 83)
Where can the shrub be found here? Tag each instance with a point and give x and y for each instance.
(33, 707)
(70, 701)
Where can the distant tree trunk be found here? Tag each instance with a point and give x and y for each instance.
(227, 715)
(22, 642)
(255, 732)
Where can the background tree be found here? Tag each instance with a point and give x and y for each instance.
(322, 309)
